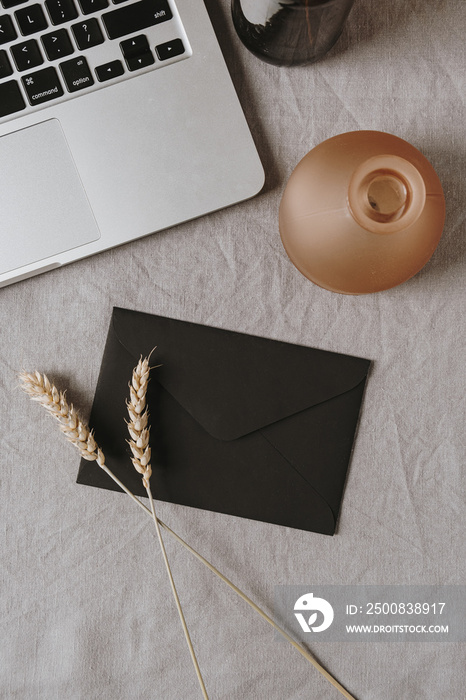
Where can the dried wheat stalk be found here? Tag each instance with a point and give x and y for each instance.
(139, 430)
(138, 421)
(40, 389)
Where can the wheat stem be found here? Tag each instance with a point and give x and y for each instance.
(139, 430)
(307, 655)
(177, 600)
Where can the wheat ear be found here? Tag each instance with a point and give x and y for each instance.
(139, 430)
(40, 389)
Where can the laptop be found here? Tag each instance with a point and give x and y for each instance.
(118, 118)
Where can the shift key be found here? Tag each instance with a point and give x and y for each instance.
(134, 18)
(42, 86)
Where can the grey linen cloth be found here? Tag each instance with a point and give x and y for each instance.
(87, 611)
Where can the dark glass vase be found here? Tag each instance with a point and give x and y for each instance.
(289, 32)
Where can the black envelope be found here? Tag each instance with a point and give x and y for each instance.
(241, 425)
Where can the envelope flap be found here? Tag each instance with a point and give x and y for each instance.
(233, 383)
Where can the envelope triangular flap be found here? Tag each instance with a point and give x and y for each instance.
(232, 383)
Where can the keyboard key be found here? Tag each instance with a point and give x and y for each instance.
(11, 3)
(77, 74)
(134, 46)
(7, 30)
(137, 52)
(170, 49)
(89, 6)
(61, 11)
(5, 65)
(133, 18)
(109, 70)
(57, 44)
(42, 86)
(87, 34)
(27, 55)
(141, 61)
(31, 19)
(11, 99)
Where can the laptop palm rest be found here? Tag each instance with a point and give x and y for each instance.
(44, 209)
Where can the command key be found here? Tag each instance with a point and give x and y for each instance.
(42, 86)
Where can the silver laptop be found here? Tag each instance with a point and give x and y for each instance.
(118, 118)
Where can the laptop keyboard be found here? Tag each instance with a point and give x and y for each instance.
(57, 49)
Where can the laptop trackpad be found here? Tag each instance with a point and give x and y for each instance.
(44, 209)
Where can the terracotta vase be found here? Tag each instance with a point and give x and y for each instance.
(362, 212)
